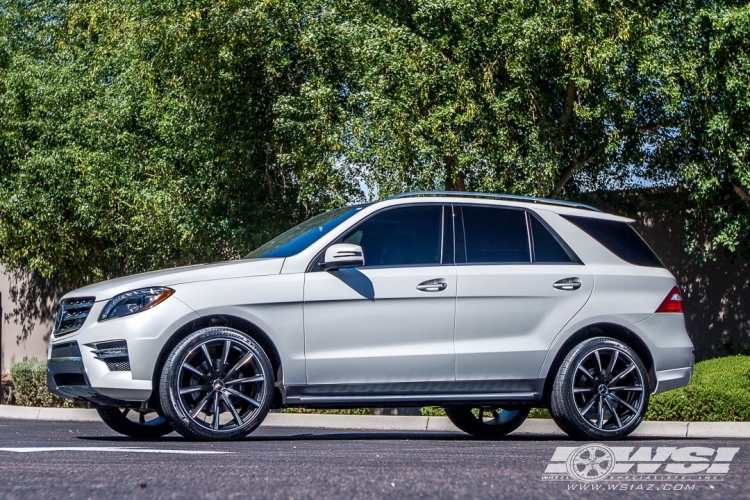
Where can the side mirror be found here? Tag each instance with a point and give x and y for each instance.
(343, 255)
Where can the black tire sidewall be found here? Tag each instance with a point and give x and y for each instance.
(463, 418)
(562, 404)
(118, 422)
(169, 397)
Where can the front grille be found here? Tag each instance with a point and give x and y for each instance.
(67, 350)
(72, 314)
(114, 353)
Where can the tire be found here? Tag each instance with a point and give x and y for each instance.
(149, 425)
(223, 400)
(486, 422)
(601, 390)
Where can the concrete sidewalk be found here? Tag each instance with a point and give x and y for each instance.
(533, 426)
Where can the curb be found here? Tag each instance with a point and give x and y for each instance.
(532, 426)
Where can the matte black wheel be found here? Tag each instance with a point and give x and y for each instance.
(134, 423)
(487, 422)
(601, 390)
(217, 384)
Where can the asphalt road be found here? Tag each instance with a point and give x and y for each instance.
(303, 463)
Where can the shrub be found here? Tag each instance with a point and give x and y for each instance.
(30, 381)
(349, 411)
(719, 391)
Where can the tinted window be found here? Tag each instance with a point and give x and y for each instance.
(400, 236)
(619, 238)
(300, 237)
(546, 246)
(495, 235)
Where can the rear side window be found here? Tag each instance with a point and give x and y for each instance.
(495, 235)
(619, 238)
(546, 247)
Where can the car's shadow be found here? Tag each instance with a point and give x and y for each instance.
(322, 435)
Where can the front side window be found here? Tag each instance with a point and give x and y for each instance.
(400, 236)
(496, 235)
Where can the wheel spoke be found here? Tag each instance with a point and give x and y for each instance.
(626, 405)
(216, 411)
(200, 406)
(598, 362)
(224, 356)
(242, 362)
(125, 412)
(585, 372)
(246, 380)
(627, 370)
(141, 417)
(611, 366)
(634, 388)
(242, 396)
(210, 362)
(579, 390)
(231, 409)
(192, 369)
(191, 390)
(614, 413)
(600, 421)
(588, 406)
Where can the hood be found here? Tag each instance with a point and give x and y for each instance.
(105, 290)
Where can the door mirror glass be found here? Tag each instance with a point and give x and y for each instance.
(343, 255)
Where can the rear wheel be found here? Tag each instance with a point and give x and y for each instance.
(217, 384)
(601, 390)
(487, 422)
(134, 423)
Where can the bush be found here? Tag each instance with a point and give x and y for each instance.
(719, 391)
(30, 382)
(350, 411)
(434, 411)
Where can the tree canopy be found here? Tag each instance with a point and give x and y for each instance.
(136, 135)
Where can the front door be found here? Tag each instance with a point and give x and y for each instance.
(390, 321)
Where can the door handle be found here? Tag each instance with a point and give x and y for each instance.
(568, 284)
(436, 285)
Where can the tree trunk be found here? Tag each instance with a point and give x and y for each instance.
(454, 180)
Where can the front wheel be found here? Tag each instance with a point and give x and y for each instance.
(487, 422)
(134, 423)
(601, 390)
(217, 384)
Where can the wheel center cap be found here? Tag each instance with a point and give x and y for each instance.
(218, 385)
(603, 390)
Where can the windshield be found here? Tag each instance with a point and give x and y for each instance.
(300, 237)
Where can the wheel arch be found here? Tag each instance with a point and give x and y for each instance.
(613, 330)
(230, 321)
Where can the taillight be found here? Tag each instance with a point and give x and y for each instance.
(672, 303)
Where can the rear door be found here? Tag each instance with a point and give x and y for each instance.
(518, 285)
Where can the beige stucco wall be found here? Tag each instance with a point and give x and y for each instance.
(25, 329)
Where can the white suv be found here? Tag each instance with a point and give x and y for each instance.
(486, 305)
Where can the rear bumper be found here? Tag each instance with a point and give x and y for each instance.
(671, 349)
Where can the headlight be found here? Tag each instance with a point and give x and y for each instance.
(134, 301)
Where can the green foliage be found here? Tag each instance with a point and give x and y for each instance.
(350, 411)
(30, 386)
(139, 135)
(434, 411)
(719, 391)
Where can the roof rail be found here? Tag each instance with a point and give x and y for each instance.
(510, 197)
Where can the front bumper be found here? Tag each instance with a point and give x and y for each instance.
(84, 365)
(67, 378)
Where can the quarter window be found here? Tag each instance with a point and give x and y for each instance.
(400, 236)
(546, 247)
(495, 235)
